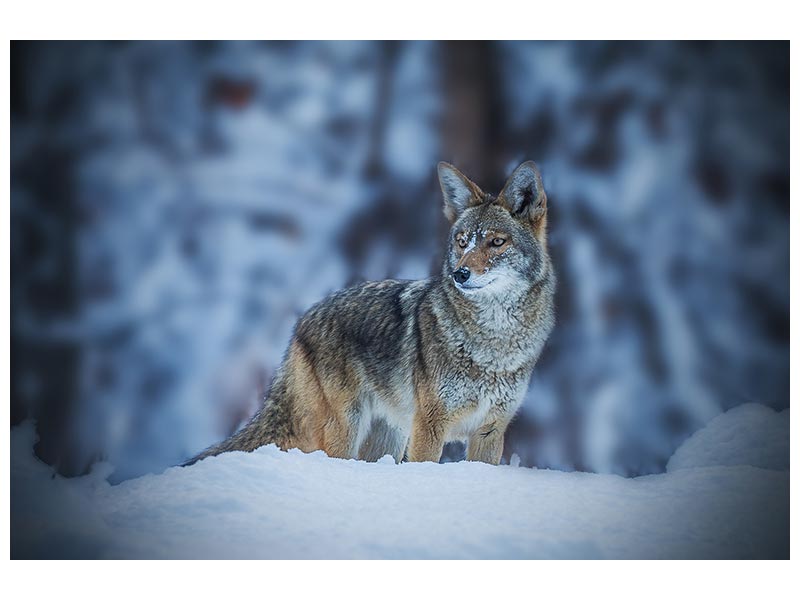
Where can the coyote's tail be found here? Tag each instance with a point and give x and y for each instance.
(270, 425)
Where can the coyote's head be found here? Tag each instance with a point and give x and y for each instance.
(497, 244)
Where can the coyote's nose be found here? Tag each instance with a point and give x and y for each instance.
(461, 275)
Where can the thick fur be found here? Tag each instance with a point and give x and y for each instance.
(402, 367)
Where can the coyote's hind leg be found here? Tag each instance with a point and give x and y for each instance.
(383, 439)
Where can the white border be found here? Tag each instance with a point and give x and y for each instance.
(407, 19)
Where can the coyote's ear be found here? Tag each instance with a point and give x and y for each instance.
(459, 192)
(523, 194)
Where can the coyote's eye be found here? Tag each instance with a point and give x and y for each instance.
(462, 243)
(497, 242)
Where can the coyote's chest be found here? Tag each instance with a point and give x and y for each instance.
(471, 394)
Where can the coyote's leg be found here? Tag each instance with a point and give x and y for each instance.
(336, 415)
(383, 439)
(427, 440)
(339, 437)
(339, 422)
(428, 427)
(486, 443)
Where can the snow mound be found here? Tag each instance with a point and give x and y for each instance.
(750, 434)
(273, 504)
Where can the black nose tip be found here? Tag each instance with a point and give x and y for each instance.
(461, 275)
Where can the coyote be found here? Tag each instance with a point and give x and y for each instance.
(402, 367)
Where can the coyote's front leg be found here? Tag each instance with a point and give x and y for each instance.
(428, 428)
(486, 443)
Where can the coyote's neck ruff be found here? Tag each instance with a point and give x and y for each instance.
(401, 367)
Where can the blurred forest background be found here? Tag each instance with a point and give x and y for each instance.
(176, 206)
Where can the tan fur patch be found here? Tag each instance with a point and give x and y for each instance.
(480, 258)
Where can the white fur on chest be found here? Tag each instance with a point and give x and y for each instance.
(499, 339)
(474, 402)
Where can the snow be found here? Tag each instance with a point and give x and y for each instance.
(726, 495)
(750, 434)
(471, 244)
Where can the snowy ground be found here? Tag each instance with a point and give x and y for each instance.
(725, 495)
